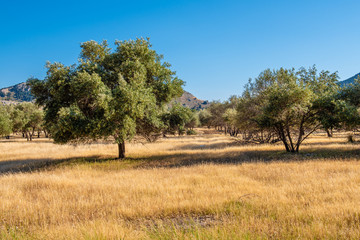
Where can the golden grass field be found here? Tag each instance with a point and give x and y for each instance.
(189, 187)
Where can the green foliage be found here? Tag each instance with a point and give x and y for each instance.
(291, 104)
(26, 118)
(349, 98)
(5, 121)
(217, 110)
(205, 117)
(191, 132)
(215, 115)
(230, 117)
(117, 94)
(194, 120)
(177, 118)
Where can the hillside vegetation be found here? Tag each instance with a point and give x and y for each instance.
(190, 187)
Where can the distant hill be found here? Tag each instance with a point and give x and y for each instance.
(190, 101)
(21, 93)
(349, 80)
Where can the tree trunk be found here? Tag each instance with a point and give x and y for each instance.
(121, 147)
(329, 133)
(27, 136)
(282, 136)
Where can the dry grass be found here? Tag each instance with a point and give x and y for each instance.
(202, 187)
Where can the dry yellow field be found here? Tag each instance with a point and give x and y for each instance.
(190, 187)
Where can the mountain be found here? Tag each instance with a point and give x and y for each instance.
(349, 80)
(18, 92)
(21, 93)
(190, 101)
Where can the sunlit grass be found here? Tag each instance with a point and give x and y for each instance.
(198, 187)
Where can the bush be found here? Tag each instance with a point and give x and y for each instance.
(191, 132)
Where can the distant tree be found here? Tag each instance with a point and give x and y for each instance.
(18, 120)
(5, 121)
(108, 94)
(329, 116)
(217, 110)
(231, 121)
(229, 117)
(194, 120)
(349, 108)
(177, 118)
(250, 106)
(26, 118)
(205, 118)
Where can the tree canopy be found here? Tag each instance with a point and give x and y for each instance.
(107, 94)
(290, 103)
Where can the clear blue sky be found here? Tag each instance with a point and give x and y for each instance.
(215, 46)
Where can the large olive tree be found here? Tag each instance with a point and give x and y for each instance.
(107, 94)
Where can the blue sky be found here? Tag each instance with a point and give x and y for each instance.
(214, 46)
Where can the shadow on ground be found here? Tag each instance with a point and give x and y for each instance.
(176, 160)
(237, 157)
(223, 145)
(31, 165)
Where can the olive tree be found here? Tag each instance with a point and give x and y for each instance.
(350, 105)
(290, 103)
(26, 118)
(108, 94)
(5, 121)
(176, 119)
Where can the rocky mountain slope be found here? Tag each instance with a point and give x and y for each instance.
(18, 92)
(190, 101)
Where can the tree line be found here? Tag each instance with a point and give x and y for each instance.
(287, 105)
(122, 92)
(24, 118)
(28, 119)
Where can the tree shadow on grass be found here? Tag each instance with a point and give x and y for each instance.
(34, 165)
(177, 160)
(223, 145)
(239, 157)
